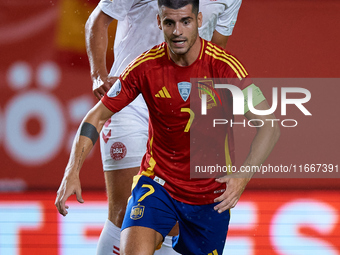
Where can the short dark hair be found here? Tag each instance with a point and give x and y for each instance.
(176, 4)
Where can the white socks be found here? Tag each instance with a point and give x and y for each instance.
(108, 243)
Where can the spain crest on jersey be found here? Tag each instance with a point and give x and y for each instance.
(137, 212)
(207, 87)
(184, 89)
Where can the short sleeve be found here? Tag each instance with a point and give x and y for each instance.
(117, 9)
(227, 20)
(122, 93)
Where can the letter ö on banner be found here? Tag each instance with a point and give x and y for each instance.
(38, 149)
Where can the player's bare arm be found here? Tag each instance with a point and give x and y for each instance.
(232, 12)
(85, 139)
(96, 39)
(219, 39)
(261, 146)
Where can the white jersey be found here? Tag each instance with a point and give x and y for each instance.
(137, 31)
(137, 28)
(219, 15)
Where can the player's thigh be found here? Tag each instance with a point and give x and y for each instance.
(139, 240)
(118, 188)
(202, 229)
(119, 183)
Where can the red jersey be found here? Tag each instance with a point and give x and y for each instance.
(169, 94)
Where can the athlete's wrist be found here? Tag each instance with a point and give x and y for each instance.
(99, 74)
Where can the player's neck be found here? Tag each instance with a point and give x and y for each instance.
(188, 58)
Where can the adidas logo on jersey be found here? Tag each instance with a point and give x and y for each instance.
(164, 93)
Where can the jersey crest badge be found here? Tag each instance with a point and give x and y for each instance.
(115, 89)
(137, 212)
(207, 87)
(184, 89)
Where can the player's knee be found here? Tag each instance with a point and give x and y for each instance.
(117, 216)
(134, 250)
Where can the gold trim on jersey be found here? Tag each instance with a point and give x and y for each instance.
(227, 154)
(134, 183)
(228, 55)
(168, 52)
(219, 54)
(152, 162)
(163, 93)
(151, 54)
(231, 56)
(225, 61)
(202, 49)
(138, 58)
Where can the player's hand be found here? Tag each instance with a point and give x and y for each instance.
(101, 85)
(70, 185)
(236, 183)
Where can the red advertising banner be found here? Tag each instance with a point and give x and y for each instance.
(42, 101)
(45, 87)
(271, 223)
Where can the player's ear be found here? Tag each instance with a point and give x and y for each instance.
(199, 19)
(159, 22)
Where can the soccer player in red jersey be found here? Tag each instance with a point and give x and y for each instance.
(163, 192)
(124, 137)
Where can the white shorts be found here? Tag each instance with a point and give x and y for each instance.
(124, 137)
